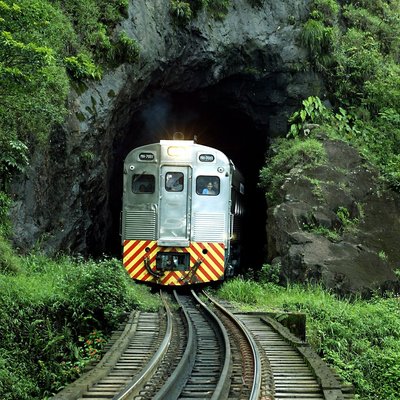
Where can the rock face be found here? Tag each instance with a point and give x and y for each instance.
(335, 225)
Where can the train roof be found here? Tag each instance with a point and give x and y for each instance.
(177, 151)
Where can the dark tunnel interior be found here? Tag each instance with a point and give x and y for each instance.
(215, 125)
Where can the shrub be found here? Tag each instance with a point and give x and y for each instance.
(313, 111)
(126, 49)
(184, 11)
(358, 60)
(360, 66)
(382, 24)
(314, 36)
(270, 273)
(9, 261)
(181, 11)
(50, 317)
(325, 10)
(82, 67)
(40, 41)
(97, 290)
(13, 158)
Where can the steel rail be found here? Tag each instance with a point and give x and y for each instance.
(137, 383)
(174, 384)
(256, 387)
(173, 387)
(222, 389)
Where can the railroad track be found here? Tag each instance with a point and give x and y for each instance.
(202, 350)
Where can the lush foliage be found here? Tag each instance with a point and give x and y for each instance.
(9, 261)
(359, 338)
(181, 10)
(360, 63)
(313, 113)
(355, 45)
(55, 317)
(82, 67)
(44, 44)
(33, 84)
(185, 10)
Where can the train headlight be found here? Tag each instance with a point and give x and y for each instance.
(176, 151)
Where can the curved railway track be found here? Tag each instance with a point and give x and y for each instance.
(201, 350)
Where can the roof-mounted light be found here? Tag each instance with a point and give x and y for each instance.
(176, 151)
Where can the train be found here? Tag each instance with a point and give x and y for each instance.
(182, 211)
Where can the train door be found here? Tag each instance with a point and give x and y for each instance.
(175, 191)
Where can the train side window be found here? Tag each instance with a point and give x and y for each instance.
(174, 181)
(207, 185)
(143, 183)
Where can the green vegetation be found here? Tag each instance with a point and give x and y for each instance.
(46, 306)
(355, 46)
(360, 64)
(287, 155)
(332, 234)
(345, 223)
(55, 317)
(184, 11)
(44, 46)
(359, 338)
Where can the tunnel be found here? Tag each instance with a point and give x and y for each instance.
(232, 84)
(212, 121)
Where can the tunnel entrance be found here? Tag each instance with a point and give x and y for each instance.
(222, 126)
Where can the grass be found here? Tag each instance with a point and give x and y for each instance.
(359, 338)
(55, 316)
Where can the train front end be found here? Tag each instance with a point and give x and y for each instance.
(176, 217)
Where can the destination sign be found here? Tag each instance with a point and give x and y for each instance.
(206, 157)
(146, 156)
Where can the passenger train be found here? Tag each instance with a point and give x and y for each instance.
(181, 216)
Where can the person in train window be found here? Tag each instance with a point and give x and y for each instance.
(174, 182)
(209, 189)
(178, 185)
(216, 187)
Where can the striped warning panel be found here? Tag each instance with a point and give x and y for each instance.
(207, 262)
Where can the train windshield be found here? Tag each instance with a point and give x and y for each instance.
(207, 185)
(143, 183)
(174, 181)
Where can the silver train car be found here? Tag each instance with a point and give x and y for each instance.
(182, 211)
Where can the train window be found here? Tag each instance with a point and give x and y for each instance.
(207, 185)
(174, 181)
(143, 183)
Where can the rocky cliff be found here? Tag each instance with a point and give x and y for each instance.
(336, 224)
